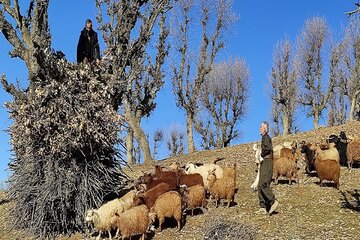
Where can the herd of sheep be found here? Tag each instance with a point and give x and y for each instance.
(323, 159)
(173, 191)
(164, 192)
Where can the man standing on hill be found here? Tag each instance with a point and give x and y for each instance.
(266, 196)
(88, 46)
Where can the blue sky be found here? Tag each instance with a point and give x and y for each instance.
(261, 24)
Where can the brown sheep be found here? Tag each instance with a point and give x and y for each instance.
(149, 197)
(329, 153)
(285, 166)
(134, 221)
(194, 197)
(166, 206)
(189, 180)
(328, 169)
(160, 173)
(353, 152)
(286, 152)
(222, 188)
(151, 181)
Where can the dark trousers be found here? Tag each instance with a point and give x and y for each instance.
(266, 195)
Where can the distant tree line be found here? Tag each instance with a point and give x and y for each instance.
(316, 76)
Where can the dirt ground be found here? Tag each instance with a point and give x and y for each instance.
(306, 211)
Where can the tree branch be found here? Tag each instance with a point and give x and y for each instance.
(10, 35)
(357, 10)
(11, 89)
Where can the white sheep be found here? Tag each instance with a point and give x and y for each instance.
(101, 217)
(257, 152)
(132, 222)
(167, 205)
(203, 170)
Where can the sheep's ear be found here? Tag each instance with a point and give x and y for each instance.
(199, 164)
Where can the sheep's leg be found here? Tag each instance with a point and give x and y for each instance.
(142, 236)
(276, 179)
(98, 237)
(109, 234)
(192, 212)
(179, 224)
(290, 179)
(117, 233)
(161, 220)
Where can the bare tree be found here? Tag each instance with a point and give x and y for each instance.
(65, 124)
(337, 106)
(185, 84)
(284, 87)
(350, 84)
(175, 142)
(142, 71)
(158, 138)
(203, 126)
(313, 95)
(224, 95)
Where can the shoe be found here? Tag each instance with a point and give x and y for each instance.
(273, 207)
(261, 211)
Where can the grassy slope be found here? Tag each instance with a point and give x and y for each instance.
(306, 211)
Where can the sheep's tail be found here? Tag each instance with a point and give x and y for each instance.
(218, 159)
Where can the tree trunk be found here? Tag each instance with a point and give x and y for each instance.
(353, 105)
(142, 139)
(286, 124)
(134, 124)
(189, 131)
(316, 120)
(130, 147)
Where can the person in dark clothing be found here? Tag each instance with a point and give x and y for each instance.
(88, 46)
(267, 200)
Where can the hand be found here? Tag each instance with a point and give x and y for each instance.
(261, 159)
(97, 61)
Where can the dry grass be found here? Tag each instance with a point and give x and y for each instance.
(306, 211)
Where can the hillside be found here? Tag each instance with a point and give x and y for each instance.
(306, 211)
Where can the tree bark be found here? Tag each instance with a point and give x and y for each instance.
(190, 132)
(286, 124)
(316, 120)
(134, 124)
(353, 105)
(130, 147)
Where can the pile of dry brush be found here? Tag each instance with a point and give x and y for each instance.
(66, 154)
